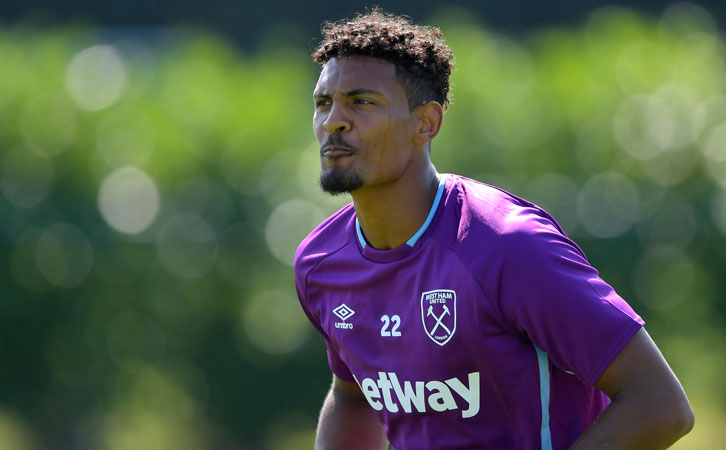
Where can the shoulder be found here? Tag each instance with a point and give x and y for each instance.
(485, 212)
(495, 228)
(331, 235)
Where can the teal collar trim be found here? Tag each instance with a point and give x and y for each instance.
(432, 212)
(361, 239)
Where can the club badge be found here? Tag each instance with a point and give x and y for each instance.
(438, 313)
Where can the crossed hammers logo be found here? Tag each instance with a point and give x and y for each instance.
(438, 319)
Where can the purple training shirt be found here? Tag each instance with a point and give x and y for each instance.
(487, 329)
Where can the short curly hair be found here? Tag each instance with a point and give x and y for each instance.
(423, 61)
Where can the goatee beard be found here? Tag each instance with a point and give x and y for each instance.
(338, 182)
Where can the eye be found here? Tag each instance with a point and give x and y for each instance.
(363, 101)
(322, 102)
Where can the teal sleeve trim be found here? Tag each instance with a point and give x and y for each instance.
(544, 394)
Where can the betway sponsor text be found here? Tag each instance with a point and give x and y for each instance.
(387, 391)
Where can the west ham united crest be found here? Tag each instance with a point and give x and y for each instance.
(438, 313)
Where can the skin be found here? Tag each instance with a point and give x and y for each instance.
(649, 408)
(347, 422)
(365, 128)
(362, 109)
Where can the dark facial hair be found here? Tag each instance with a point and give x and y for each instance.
(337, 181)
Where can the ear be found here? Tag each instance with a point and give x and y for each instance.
(430, 116)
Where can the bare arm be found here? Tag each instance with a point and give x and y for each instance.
(347, 422)
(649, 408)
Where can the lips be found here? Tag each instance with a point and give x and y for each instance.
(335, 151)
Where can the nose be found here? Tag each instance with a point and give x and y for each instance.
(336, 122)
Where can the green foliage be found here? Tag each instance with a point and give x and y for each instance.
(152, 195)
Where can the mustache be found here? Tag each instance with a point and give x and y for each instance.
(335, 140)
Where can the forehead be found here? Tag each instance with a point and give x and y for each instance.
(358, 72)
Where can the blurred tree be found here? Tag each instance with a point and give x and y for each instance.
(152, 194)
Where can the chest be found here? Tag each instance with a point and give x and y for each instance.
(424, 316)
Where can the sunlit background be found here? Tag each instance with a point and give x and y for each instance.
(154, 187)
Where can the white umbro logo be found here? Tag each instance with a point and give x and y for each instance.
(344, 312)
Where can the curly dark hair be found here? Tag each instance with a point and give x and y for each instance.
(423, 61)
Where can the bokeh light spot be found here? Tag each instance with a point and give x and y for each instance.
(156, 412)
(684, 17)
(128, 200)
(14, 433)
(64, 255)
(677, 118)
(642, 65)
(671, 168)
(608, 205)
(710, 112)
(96, 77)
(288, 225)
(644, 126)
(273, 323)
(187, 246)
(558, 195)
(714, 145)
(25, 177)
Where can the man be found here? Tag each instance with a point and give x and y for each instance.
(456, 315)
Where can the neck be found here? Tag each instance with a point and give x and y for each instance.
(390, 214)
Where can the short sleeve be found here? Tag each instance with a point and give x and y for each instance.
(549, 291)
(337, 366)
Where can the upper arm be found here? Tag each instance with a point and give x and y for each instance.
(640, 370)
(347, 421)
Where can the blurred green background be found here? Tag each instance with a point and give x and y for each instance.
(153, 192)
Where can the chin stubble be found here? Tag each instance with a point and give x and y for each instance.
(338, 182)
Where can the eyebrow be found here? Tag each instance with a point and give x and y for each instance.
(352, 93)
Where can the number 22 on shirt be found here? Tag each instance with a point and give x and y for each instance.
(394, 322)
